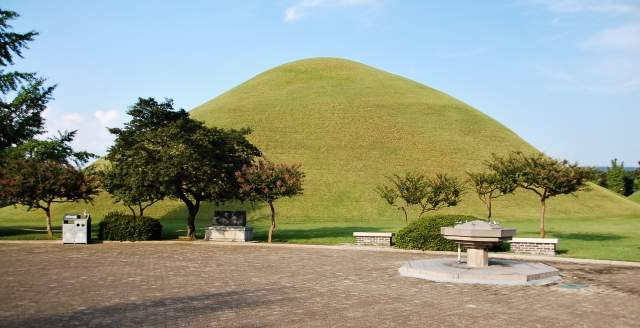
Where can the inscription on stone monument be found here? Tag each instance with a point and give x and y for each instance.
(230, 218)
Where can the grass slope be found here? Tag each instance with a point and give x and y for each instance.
(635, 197)
(350, 125)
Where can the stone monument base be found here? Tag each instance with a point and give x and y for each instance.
(229, 233)
(499, 272)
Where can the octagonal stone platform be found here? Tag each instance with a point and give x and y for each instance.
(499, 272)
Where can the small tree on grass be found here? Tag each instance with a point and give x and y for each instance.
(491, 185)
(41, 173)
(267, 182)
(416, 189)
(545, 176)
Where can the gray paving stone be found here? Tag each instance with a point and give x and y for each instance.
(186, 285)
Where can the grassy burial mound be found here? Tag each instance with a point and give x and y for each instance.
(350, 125)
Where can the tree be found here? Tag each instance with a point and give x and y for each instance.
(619, 179)
(637, 177)
(130, 185)
(491, 185)
(40, 173)
(172, 155)
(23, 95)
(545, 176)
(268, 182)
(416, 189)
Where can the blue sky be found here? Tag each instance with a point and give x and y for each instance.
(564, 74)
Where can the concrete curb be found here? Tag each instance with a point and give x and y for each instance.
(507, 256)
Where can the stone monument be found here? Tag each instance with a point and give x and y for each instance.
(229, 226)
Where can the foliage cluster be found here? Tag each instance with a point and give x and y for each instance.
(24, 95)
(616, 178)
(34, 173)
(162, 152)
(424, 233)
(540, 174)
(267, 182)
(120, 226)
(620, 180)
(416, 189)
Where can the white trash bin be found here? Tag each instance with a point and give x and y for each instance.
(76, 229)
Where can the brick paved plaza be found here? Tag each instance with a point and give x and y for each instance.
(167, 285)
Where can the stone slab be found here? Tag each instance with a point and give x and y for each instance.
(373, 234)
(499, 272)
(229, 233)
(535, 240)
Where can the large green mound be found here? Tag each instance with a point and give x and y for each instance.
(635, 197)
(350, 125)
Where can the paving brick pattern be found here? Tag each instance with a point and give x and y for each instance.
(176, 285)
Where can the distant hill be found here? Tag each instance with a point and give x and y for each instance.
(350, 125)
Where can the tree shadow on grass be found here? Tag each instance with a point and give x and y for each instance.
(283, 235)
(32, 232)
(586, 236)
(170, 311)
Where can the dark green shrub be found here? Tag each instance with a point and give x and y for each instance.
(120, 226)
(424, 234)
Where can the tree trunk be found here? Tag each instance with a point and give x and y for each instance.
(191, 219)
(133, 212)
(141, 209)
(49, 229)
(273, 221)
(542, 212)
(489, 208)
(406, 217)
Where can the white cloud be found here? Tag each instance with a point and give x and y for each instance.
(72, 118)
(610, 57)
(625, 37)
(106, 118)
(92, 132)
(305, 8)
(595, 6)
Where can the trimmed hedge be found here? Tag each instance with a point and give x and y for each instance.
(120, 226)
(424, 234)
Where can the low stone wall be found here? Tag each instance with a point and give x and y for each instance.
(374, 238)
(537, 246)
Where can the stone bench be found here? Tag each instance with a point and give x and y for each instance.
(374, 238)
(537, 246)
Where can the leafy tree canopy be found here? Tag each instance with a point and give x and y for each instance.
(166, 153)
(429, 193)
(23, 96)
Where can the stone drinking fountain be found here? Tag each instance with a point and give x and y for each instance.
(477, 237)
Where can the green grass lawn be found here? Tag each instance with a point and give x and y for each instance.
(350, 125)
(635, 197)
(616, 238)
